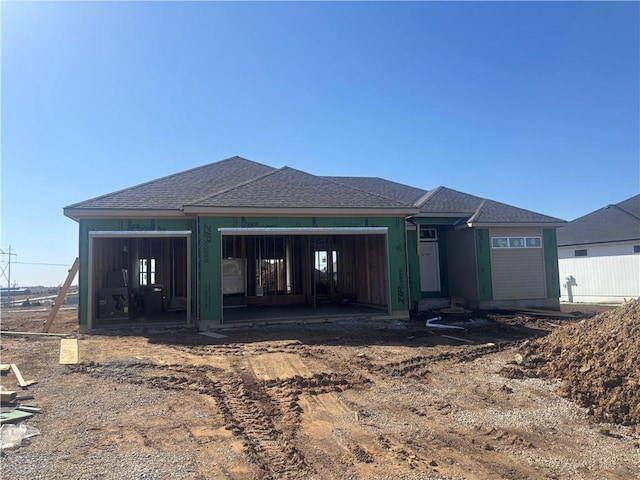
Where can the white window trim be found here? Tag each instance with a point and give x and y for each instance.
(508, 245)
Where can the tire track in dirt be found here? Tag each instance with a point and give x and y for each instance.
(246, 416)
(264, 415)
(247, 408)
(418, 366)
(247, 349)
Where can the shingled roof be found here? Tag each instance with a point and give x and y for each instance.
(174, 191)
(478, 211)
(386, 188)
(291, 188)
(613, 223)
(240, 185)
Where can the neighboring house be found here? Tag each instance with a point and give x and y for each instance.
(599, 255)
(197, 246)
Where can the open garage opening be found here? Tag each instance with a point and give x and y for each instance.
(139, 277)
(285, 276)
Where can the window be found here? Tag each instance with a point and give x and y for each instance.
(147, 271)
(272, 263)
(636, 249)
(516, 242)
(326, 271)
(271, 275)
(428, 234)
(533, 242)
(580, 253)
(500, 242)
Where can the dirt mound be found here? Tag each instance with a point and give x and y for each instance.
(597, 360)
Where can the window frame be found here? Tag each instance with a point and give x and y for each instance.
(430, 233)
(516, 241)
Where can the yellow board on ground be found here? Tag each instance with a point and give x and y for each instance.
(68, 351)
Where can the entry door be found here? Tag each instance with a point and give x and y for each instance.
(429, 267)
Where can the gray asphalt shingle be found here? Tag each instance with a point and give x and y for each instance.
(290, 188)
(613, 223)
(174, 191)
(446, 201)
(241, 183)
(379, 186)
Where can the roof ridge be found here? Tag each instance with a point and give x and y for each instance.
(302, 172)
(155, 180)
(374, 178)
(361, 190)
(427, 196)
(241, 184)
(478, 209)
(623, 210)
(476, 214)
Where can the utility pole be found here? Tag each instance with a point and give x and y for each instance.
(5, 271)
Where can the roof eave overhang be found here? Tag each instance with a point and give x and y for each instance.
(443, 214)
(78, 214)
(298, 212)
(304, 231)
(511, 224)
(594, 243)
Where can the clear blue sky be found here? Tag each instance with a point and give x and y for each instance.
(531, 104)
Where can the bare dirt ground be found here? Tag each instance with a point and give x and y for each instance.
(346, 400)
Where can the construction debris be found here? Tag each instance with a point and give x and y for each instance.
(12, 435)
(12, 412)
(431, 324)
(457, 338)
(40, 334)
(7, 397)
(18, 375)
(535, 312)
(457, 306)
(29, 408)
(21, 398)
(68, 351)
(14, 416)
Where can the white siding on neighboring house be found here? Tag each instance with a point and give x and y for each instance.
(610, 273)
(517, 273)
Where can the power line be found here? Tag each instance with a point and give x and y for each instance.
(6, 270)
(49, 264)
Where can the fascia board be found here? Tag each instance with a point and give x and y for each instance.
(297, 212)
(89, 213)
(511, 224)
(628, 241)
(443, 214)
(304, 231)
(140, 233)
